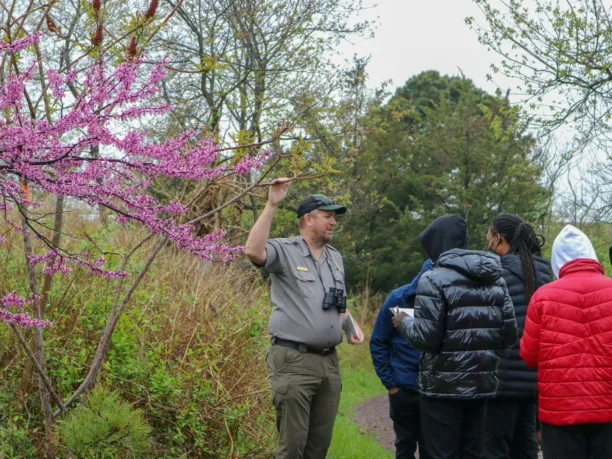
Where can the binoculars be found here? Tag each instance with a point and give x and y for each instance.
(335, 298)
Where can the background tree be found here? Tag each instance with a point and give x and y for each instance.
(243, 68)
(558, 51)
(440, 145)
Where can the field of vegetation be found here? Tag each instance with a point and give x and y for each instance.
(185, 374)
(138, 140)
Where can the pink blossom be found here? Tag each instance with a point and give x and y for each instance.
(22, 319)
(55, 158)
(13, 92)
(21, 44)
(175, 208)
(71, 76)
(252, 162)
(56, 83)
(12, 300)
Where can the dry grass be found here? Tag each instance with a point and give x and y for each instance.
(189, 350)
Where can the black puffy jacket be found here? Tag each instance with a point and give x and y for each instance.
(463, 318)
(516, 379)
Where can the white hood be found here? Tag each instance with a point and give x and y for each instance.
(569, 245)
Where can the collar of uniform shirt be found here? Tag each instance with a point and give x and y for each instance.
(306, 252)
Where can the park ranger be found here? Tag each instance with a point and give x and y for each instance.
(309, 297)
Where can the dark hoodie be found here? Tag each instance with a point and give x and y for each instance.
(445, 233)
(463, 316)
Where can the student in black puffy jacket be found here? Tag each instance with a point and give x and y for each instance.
(463, 318)
(512, 415)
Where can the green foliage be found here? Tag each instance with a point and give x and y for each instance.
(15, 431)
(601, 237)
(188, 353)
(349, 439)
(439, 146)
(105, 427)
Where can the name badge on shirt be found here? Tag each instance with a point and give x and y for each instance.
(301, 268)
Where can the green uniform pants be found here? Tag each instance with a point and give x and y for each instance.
(306, 389)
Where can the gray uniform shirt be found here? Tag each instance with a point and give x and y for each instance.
(299, 283)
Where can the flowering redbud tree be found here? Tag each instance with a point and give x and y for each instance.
(54, 158)
(84, 147)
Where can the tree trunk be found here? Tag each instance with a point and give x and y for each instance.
(27, 378)
(38, 342)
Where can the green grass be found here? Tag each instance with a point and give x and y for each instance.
(359, 384)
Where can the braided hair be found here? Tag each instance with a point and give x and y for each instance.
(523, 242)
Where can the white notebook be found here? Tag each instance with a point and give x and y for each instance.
(396, 310)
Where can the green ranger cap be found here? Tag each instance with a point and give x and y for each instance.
(319, 202)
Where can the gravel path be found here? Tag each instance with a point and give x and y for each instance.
(373, 417)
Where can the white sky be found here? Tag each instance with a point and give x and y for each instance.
(418, 35)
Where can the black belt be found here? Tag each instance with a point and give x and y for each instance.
(303, 347)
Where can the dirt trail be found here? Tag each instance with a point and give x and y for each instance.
(373, 416)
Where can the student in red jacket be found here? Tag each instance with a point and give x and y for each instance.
(568, 337)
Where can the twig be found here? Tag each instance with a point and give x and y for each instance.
(295, 179)
(235, 198)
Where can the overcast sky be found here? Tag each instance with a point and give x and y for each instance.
(418, 35)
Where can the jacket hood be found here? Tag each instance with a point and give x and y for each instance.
(514, 264)
(444, 233)
(479, 266)
(571, 244)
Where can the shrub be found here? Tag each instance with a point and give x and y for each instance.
(104, 427)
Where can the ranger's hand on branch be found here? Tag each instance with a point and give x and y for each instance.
(278, 191)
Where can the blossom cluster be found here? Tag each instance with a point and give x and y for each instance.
(56, 157)
(21, 44)
(21, 319)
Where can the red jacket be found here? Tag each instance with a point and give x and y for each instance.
(568, 337)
